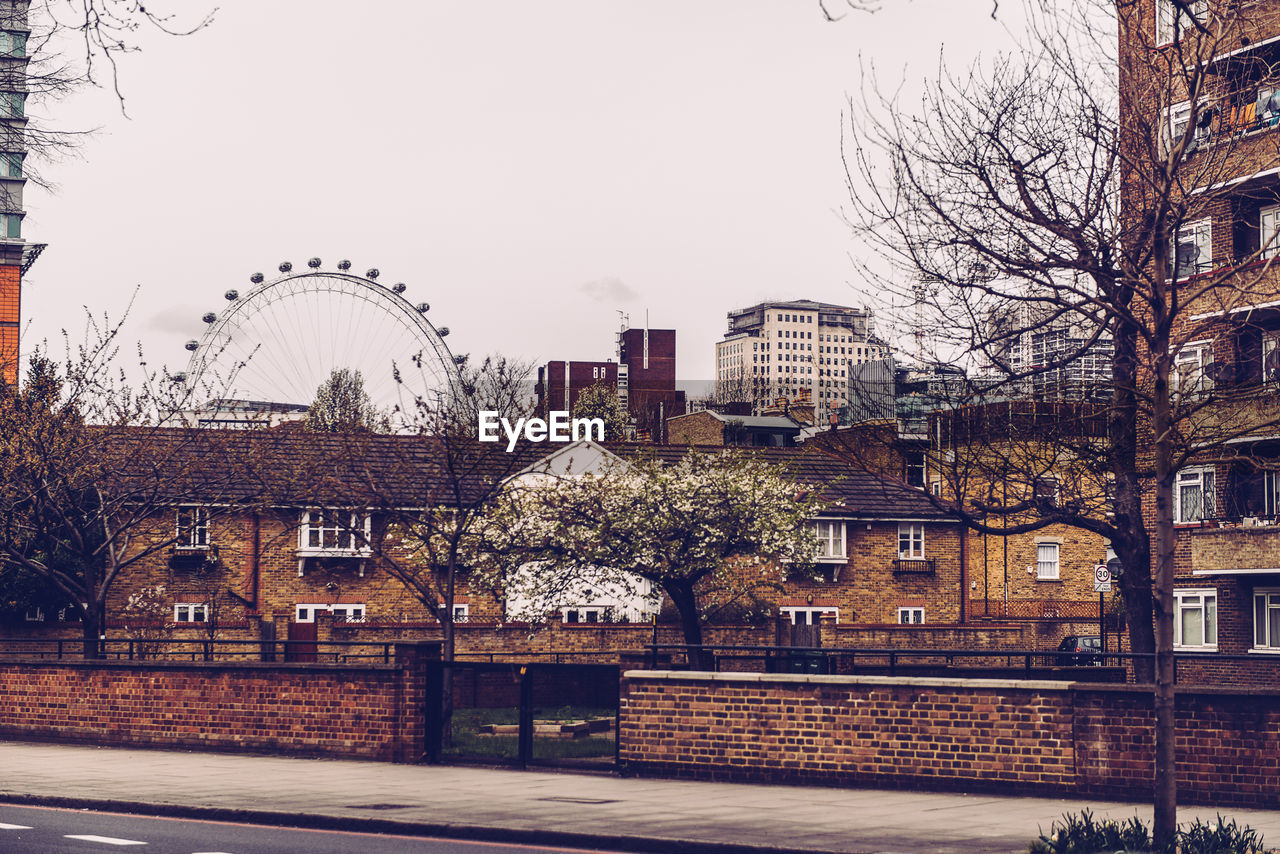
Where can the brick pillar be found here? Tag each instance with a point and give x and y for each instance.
(827, 631)
(10, 321)
(411, 662)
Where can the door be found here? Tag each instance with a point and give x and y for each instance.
(302, 642)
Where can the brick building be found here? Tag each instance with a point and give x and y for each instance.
(644, 377)
(1219, 113)
(16, 255)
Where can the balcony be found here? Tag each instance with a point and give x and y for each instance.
(1242, 546)
(192, 557)
(913, 566)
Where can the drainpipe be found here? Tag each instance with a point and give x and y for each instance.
(253, 561)
(964, 574)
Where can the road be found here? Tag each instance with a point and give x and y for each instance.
(43, 830)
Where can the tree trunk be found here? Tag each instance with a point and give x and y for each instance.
(1165, 795)
(691, 624)
(1135, 585)
(91, 626)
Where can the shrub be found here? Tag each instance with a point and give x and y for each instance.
(1080, 834)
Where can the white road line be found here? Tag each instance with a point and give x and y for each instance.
(105, 840)
(4, 826)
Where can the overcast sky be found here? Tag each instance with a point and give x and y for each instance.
(528, 168)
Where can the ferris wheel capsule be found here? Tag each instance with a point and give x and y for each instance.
(423, 307)
(398, 287)
(209, 317)
(443, 331)
(344, 265)
(256, 278)
(232, 295)
(286, 266)
(192, 345)
(371, 273)
(313, 263)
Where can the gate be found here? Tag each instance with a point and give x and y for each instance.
(302, 642)
(523, 714)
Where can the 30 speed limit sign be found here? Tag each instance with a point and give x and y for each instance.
(1101, 579)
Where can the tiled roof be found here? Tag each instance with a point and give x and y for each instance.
(849, 488)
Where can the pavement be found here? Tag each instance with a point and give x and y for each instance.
(596, 811)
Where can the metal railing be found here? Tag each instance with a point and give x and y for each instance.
(172, 649)
(919, 566)
(1207, 668)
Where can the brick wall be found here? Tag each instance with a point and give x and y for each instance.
(10, 321)
(364, 711)
(1051, 738)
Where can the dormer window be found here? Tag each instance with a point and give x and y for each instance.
(328, 530)
(334, 537)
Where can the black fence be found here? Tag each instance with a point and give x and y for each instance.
(172, 649)
(536, 713)
(1202, 668)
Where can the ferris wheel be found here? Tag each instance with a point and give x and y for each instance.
(282, 339)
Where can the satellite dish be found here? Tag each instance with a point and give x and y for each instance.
(1115, 567)
(1206, 117)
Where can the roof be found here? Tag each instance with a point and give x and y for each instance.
(759, 422)
(299, 467)
(850, 489)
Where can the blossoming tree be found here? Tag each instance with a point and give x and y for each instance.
(709, 528)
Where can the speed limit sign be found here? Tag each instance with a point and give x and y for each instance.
(1101, 579)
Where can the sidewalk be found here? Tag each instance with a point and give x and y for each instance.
(546, 807)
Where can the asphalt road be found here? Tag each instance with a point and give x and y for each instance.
(43, 830)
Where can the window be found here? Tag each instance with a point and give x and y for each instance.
(588, 614)
(916, 472)
(13, 44)
(809, 616)
(1047, 561)
(1045, 490)
(1195, 619)
(308, 612)
(193, 528)
(461, 613)
(347, 613)
(1191, 249)
(12, 105)
(1266, 620)
(1268, 226)
(328, 530)
(1177, 118)
(10, 225)
(1172, 22)
(830, 540)
(189, 612)
(910, 541)
(1271, 356)
(1193, 496)
(910, 616)
(10, 164)
(1191, 369)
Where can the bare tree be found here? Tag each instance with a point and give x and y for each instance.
(89, 479)
(1034, 192)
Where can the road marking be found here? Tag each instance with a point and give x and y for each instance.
(4, 826)
(105, 840)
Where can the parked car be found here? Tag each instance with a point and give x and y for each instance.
(1076, 650)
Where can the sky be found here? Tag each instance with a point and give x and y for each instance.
(529, 169)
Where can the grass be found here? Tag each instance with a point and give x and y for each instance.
(467, 742)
